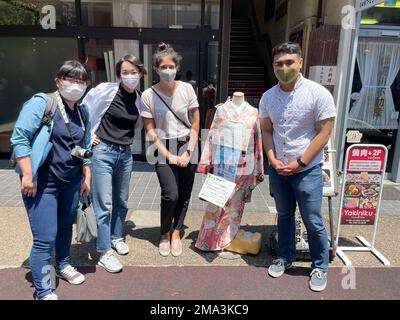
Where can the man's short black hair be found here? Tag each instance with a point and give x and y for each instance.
(287, 47)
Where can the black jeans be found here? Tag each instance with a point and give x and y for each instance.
(176, 187)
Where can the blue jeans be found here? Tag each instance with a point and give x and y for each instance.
(51, 215)
(305, 188)
(111, 173)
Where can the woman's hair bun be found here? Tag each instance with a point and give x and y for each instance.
(163, 46)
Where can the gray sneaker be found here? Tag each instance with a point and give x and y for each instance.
(70, 274)
(318, 280)
(278, 267)
(110, 262)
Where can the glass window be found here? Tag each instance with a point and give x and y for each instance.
(28, 12)
(374, 135)
(28, 66)
(102, 56)
(146, 14)
(211, 15)
(209, 86)
(381, 14)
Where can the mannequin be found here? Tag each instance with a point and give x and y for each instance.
(238, 98)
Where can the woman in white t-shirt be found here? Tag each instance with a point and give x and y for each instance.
(170, 113)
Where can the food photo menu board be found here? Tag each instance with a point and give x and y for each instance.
(363, 179)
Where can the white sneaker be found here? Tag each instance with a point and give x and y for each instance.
(50, 296)
(110, 262)
(70, 274)
(120, 246)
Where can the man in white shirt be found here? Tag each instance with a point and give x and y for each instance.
(297, 117)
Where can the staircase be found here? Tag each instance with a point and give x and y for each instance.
(245, 71)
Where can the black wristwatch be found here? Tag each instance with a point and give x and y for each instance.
(301, 163)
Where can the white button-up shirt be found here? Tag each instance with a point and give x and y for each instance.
(293, 115)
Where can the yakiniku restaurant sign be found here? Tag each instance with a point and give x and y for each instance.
(362, 184)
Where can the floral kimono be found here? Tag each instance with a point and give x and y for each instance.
(233, 150)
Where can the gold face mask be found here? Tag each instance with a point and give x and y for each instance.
(286, 75)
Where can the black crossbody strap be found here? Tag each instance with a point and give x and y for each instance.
(183, 122)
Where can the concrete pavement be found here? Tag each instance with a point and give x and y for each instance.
(197, 275)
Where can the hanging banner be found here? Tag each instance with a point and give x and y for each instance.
(362, 187)
(366, 4)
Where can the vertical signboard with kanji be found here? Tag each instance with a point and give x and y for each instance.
(363, 179)
(361, 195)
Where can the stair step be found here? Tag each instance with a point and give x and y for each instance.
(240, 23)
(247, 92)
(240, 34)
(244, 63)
(245, 55)
(240, 59)
(242, 49)
(237, 55)
(257, 90)
(240, 30)
(244, 37)
(253, 101)
(242, 46)
(253, 69)
(242, 41)
(249, 57)
(234, 21)
(245, 76)
(246, 84)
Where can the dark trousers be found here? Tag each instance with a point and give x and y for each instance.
(176, 187)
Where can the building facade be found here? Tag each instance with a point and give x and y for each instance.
(217, 50)
(99, 33)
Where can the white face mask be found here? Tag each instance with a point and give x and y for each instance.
(72, 92)
(130, 80)
(168, 75)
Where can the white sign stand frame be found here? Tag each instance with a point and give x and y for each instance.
(367, 247)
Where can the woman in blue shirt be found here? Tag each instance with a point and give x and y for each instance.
(54, 170)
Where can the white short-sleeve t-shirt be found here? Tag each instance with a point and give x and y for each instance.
(181, 102)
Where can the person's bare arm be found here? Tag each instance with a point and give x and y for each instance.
(194, 117)
(87, 173)
(268, 143)
(28, 187)
(149, 125)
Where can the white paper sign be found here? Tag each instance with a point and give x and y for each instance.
(324, 75)
(354, 136)
(216, 190)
